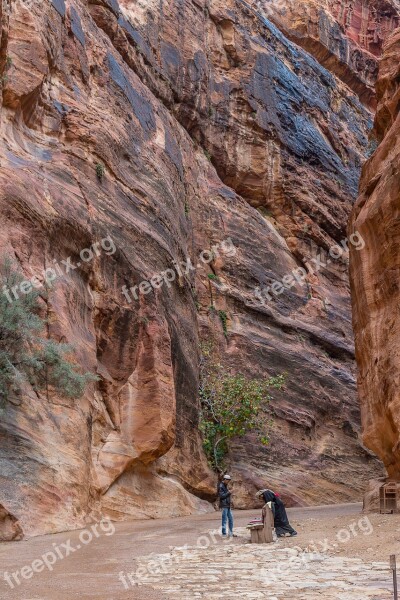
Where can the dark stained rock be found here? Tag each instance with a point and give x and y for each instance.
(59, 5)
(141, 107)
(346, 37)
(76, 26)
(211, 125)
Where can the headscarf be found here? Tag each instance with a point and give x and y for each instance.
(268, 495)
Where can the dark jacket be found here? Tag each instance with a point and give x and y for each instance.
(281, 521)
(224, 496)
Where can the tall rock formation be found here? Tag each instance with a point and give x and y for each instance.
(346, 36)
(161, 131)
(375, 273)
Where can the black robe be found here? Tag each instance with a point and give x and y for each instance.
(281, 521)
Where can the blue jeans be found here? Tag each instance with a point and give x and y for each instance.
(227, 516)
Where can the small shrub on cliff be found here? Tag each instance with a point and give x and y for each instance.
(7, 67)
(25, 356)
(231, 406)
(223, 317)
(100, 170)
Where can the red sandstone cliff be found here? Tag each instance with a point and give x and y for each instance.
(345, 36)
(375, 273)
(211, 125)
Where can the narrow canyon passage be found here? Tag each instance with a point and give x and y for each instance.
(199, 299)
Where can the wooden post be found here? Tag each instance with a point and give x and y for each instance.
(394, 569)
(268, 520)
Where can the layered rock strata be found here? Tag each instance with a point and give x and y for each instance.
(375, 273)
(168, 132)
(346, 36)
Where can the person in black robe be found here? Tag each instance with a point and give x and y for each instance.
(281, 521)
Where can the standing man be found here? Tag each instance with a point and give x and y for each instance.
(225, 503)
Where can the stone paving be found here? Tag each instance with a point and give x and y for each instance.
(244, 570)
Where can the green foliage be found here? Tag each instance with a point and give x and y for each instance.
(7, 67)
(187, 208)
(224, 319)
(48, 367)
(231, 406)
(26, 357)
(213, 277)
(100, 170)
(207, 154)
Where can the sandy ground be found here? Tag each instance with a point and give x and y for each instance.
(92, 571)
(369, 537)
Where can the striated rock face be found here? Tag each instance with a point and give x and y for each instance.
(368, 24)
(345, 36)
(215, 131)
(375, 273)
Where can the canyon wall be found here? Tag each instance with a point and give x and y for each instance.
(346, 36)
(375, 273)
(162, 131)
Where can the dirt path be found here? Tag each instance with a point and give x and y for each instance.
(338, 551)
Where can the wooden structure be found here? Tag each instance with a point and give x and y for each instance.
(261, 533)
(388, 498)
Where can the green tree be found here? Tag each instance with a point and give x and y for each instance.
(231, 406)
(25, 356)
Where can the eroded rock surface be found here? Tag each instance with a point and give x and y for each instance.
(346, 36)
(211, 125)
(10, 529)
(375, 273)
